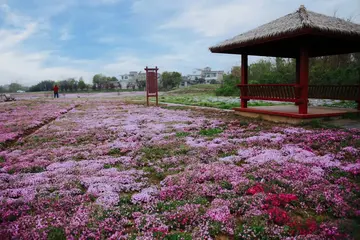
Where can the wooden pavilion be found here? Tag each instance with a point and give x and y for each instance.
(300, 35)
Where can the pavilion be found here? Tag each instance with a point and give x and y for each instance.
(300, 35)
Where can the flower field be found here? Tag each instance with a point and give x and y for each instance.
(17, 119)
(103, 169)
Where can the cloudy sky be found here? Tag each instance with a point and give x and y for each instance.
(55, 39)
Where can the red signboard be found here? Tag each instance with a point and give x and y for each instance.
(151, 84)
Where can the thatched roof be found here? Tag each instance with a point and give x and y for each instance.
(299, 23)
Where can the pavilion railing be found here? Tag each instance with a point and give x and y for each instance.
(341, 92)
(274, 92)
(291, 92)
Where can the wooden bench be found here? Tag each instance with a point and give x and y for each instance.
(291, 92)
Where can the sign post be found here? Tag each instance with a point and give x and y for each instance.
(151, 84)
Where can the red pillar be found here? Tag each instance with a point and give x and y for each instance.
(244, 76)
(304, 80)
(297, 81)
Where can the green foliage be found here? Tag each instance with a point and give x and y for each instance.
(126, 210)
(210, 132)
(154, 174)
(154, 153)
(330, 70)
(229, 87)
(182, 134)
(140, 83)
(226, 185)
(114, 151)
(125, 199)
(2, 159)
(34, 169)
(337, 173)
(178, 236)
(56, 233)
(244, 123)
(172, 205)
(46, 85)
(170, 80)
(81, 84)
(13, 87)
(215, 228)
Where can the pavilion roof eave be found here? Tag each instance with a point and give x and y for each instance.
(295, 25)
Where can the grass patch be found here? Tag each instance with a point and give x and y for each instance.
(354, 116)
(118, 166)
(173, 205)
(210, 132)
(226, 185)
(56, 233)
(227, 154)
(154, 153)
(178, 236)
(182, 134)
(34, 169)
(117, 152)
(80, 186)
(317, 123)
(155, 175)
(125, 199)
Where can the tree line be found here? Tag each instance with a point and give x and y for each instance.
(329, 70)
(167, 81)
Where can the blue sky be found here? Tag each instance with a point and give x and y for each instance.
(55, 39)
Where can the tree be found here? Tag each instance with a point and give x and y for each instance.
(13, 87)
(46, 85)
(200, 80)
(170, 80)
(141, 84)
(81, 84)
(99, 81)
(236, 71)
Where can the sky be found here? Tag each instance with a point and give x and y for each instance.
(58, 39)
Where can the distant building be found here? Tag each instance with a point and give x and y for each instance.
(202, 76)
(210, 75)
(129, 80)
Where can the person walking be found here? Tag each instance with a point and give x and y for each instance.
(56, 91)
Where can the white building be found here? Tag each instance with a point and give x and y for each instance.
(211, 76)
(205, 76)
(130, 78)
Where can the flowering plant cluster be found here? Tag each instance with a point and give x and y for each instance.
(103, 169)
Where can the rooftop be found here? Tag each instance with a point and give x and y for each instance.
(300, 27)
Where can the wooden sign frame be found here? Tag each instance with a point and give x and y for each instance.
(152, 84)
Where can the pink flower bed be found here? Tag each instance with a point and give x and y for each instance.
(19, 117)
(107, 170)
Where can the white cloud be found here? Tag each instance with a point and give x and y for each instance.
(13, 18)
(65, 34)
(220, 18)
(10, 38)
(29, 67)
(188, 28)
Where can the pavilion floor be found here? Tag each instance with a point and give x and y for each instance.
(289, 113)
